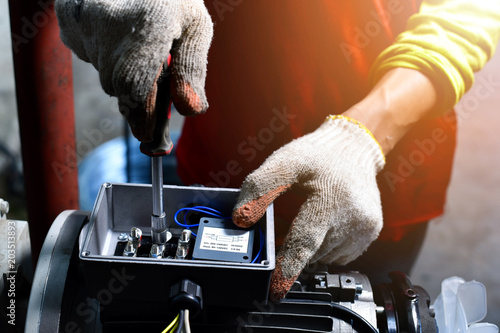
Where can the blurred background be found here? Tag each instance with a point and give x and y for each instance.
(463, 242)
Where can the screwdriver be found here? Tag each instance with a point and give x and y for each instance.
(161, 145)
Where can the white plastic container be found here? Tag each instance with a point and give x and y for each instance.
(460, 307)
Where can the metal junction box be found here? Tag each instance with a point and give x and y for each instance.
(142, 284)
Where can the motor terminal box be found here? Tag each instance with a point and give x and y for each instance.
(147, 281)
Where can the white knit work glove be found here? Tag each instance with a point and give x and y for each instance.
(128, 41)
(336, 166)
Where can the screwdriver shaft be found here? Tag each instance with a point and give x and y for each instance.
(159, 230)
(157, 184)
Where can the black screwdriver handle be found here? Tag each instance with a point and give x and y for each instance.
(161, 144)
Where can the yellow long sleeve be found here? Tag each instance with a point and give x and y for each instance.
(448, 40)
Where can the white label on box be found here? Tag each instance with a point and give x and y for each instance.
(227, 240)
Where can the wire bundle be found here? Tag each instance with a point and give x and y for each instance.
(180, 324)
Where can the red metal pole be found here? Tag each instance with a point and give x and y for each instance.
(44, 88)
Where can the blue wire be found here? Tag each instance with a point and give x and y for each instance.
(215, 213)
(201, 209)
(261, 241)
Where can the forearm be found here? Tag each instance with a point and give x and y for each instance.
(445, 43)
(400, 99)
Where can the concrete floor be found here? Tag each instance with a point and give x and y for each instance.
(462, 242)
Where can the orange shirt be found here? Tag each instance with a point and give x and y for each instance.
(277, 68)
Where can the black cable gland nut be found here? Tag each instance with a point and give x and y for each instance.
(186, 295)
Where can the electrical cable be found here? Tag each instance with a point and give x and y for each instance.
(200, 209)
(180, 328)
(174, 328)
(171, 325)
(352, 317)
(187, 325)
(261, 246)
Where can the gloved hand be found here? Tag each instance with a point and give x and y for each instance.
(336, 166)
(128, 41)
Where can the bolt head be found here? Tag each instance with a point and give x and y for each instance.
(136, 233)
(411, 293)
(156, 251)
(123, 236)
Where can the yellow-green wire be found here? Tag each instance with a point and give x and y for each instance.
(172, 325)
(175, 327)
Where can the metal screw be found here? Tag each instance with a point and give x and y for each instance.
(129, 250)
(136, 233)
(320, 280)
(410, 293)
(183, 244)
(123, 236)
(86, 253)
(156, 251)
(359, 288)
